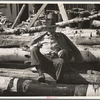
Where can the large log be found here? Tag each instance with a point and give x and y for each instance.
(34, 88)
(70, 77)
(13, 54)
(88, 41)
(13, 40)
(77, 20)
(17, 54)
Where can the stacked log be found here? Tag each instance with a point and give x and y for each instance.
(10, 41)
(77, 20)
(17, 54)
(70, 77)
(72, 14)
(18, 30)
(34, 88)
(84, 24)
(96, 23)
(88, 41)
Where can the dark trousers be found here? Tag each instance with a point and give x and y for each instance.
(54, 67)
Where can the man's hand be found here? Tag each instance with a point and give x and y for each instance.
(40, 45)
(26, 48)
(53, 54)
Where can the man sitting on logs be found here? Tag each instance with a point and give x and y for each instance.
(51, 54)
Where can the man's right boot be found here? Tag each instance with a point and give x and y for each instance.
(41, 77)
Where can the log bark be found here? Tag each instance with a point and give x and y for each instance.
(34, 88)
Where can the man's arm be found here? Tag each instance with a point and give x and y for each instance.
(37, 39)
(27, 47)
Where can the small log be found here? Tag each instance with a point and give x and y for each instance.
(18, 30)
(10, 31)
(77, 20)
(37, 15)
(19, 15)
(34, 88)
(35, 29)
(62, 11)
(96, 23)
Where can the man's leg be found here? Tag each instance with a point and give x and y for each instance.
(64, 54)
(36, 57)
(60, 67)
(39, 61)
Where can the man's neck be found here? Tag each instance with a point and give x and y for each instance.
(51, 33)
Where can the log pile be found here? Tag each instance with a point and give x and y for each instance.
(17, 54)
(21, 81)
(71, 77)
(78, 13)
(77, 20)
(34, 88)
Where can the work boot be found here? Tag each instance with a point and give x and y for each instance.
(41, 78)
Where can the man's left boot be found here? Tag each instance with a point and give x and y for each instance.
(41, 77)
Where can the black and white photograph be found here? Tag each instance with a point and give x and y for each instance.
(49, 49)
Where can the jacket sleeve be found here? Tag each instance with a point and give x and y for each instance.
(37, 39)
(74, 50)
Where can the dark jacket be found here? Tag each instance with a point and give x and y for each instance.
(64, 43)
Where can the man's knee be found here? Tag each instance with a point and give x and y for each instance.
(59, 61)
(63, 52)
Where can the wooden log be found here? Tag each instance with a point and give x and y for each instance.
(77, 20)
(34, 88)
(17, 54)
(35, 29)
(19, 15)
(9, 43)
(70, 77)
(9, 31)
(37, 15)
(96, 23)
(19, 30)
(62, 12)
(88, 41)
(13, 54)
